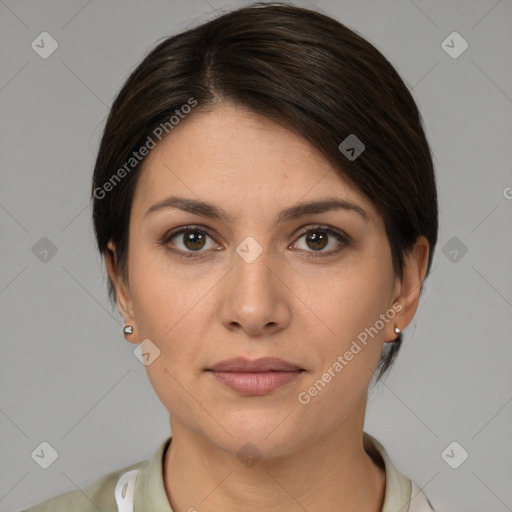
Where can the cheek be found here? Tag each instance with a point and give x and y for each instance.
(169, 312)
(348, 355)
(154, 287)
(352, 299)
(173, 308)
(354, 313)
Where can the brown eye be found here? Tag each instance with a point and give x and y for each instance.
(193, 240)
(189, 240)
(315, 240)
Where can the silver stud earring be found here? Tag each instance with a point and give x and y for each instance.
(128, 329)
(397, 330)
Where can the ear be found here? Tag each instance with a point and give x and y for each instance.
(408, 289)
(123, 297)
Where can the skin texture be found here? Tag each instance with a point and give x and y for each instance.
(306, 310)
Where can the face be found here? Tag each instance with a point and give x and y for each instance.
(268, 278)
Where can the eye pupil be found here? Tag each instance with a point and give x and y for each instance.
(318, 239)
(193, 240)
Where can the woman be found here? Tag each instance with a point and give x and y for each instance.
(265, 200)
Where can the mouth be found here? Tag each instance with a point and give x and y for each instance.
(257, 377)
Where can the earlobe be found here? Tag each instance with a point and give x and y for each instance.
(121, 288)
(414, 272)
(394, 329)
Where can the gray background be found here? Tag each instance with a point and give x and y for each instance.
(68, 377)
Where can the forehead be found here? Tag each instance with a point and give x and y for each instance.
(236, 157)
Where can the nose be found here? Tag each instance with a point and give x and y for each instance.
(254, 298)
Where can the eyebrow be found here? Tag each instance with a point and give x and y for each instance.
(205, 209)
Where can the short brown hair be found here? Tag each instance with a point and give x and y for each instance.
(302, 69)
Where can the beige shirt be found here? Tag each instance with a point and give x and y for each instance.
(140, 488)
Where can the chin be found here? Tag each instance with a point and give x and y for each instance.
(259, 430)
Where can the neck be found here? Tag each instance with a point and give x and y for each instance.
(333, 473)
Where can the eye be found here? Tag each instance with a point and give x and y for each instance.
(318, 238)
(189, 239)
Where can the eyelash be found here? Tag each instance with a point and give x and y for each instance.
(343, 238)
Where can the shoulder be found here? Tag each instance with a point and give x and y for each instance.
(400, 492)
(98, 495)
(139, 487)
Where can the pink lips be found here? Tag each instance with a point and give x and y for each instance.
(256, 377)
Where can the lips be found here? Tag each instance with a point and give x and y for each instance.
(265, 364)
(257, 377)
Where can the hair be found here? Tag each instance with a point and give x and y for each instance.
(301, 69)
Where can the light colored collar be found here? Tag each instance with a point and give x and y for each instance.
(397, 496)
(144, 489)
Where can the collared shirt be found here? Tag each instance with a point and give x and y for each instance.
(140, 488)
